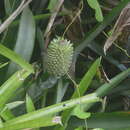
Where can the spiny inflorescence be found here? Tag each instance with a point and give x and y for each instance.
(59, 56)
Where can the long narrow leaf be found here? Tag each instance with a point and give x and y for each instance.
(3, 65)
(8, 8)
(6, 114)
(98, 49)
(15, 58)
(83, 86)
(10, 86)
(104, 89)
(25, 40)
(87, 79)
(15, 104)
(39, 118)
(112, 121)
(29, 104)
(1, 123)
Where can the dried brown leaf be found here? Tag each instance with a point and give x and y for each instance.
(122, 22)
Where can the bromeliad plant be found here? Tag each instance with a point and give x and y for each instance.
(45, 96)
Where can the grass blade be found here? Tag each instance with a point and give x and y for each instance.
(105, 88)
(40, 117)
(87, 79)
(6, 114)
(9, 87)
(83, 86)
(15, 58)
(3, 65)
(29, 104)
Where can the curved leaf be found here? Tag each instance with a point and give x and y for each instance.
(25, 40)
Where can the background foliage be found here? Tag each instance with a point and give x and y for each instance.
(96, 93)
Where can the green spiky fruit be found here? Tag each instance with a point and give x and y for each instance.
(59, 56)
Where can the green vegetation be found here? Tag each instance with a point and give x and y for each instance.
(55, 73)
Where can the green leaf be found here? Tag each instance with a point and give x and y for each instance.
(59, 92)
(40, 17)
(15, 104)
(83, 86)
(1, 123)
(90, 36)
(25, 39)
(98, 129)
(78, 111)
(16, 58)
(98, 49)
(52, 4)
(8, 8)
(29, 104)
(98, 12)
(61, 89)
(87, 79)
(104, 89)
(40, 39)
(106, 121)
(3, 65)
(79, 128)
(107, 87)
(43, 117)
(9, 87)
(26, 35)
(6, 114)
